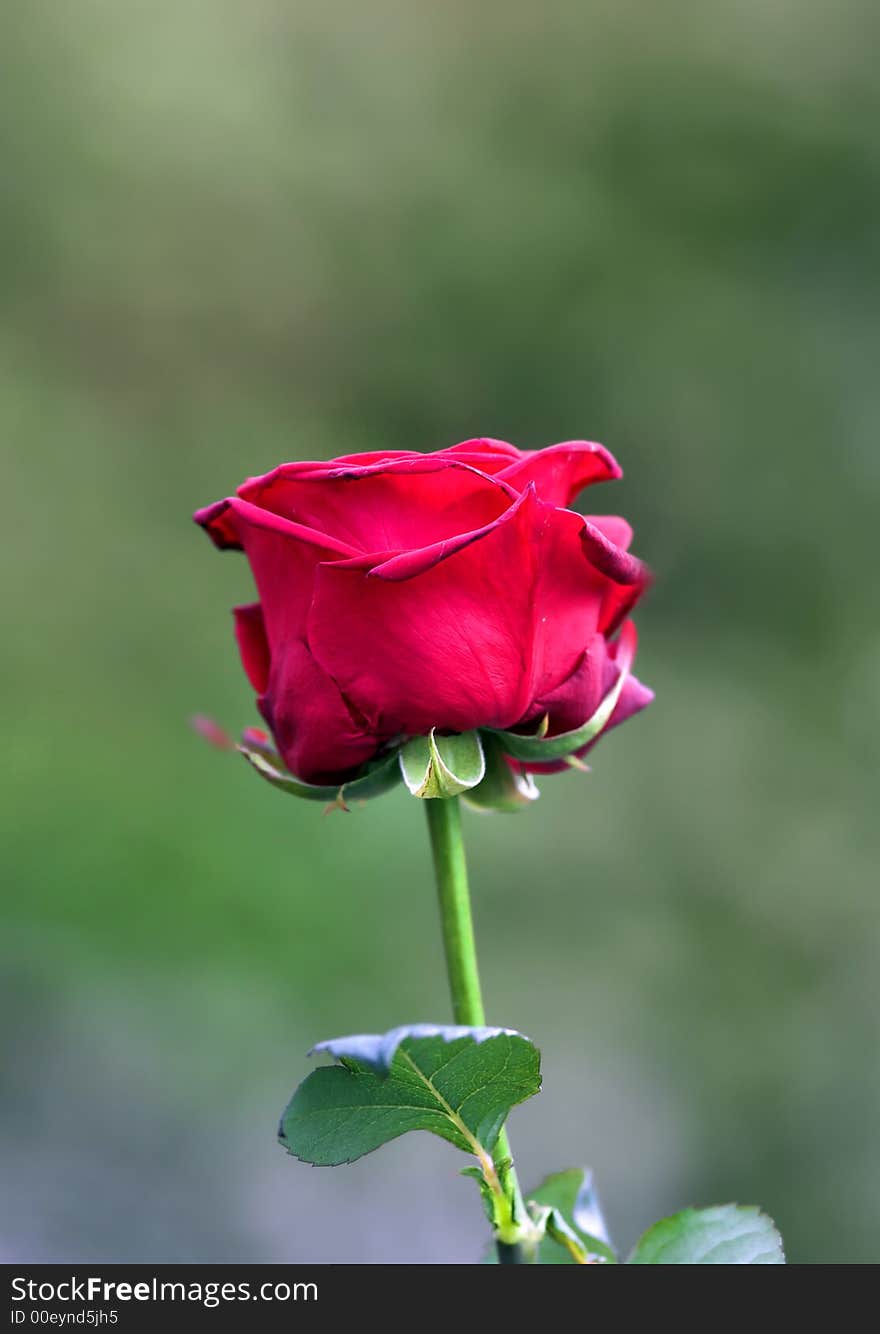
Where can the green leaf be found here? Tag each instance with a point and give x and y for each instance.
(730, 1234)
(567, 1238)
(458, 1083)
(566, 1205)
(379, 776)
(502, 788)
(442, 766)
(572, 1194)
(539, 747)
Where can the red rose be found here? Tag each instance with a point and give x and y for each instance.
(401, 592)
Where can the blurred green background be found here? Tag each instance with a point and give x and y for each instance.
(237, 233)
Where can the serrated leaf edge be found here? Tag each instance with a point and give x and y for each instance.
(388, 1043)
(752, 1211)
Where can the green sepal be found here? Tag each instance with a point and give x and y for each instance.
(379, 776)
(442, 766)
(502, 788)
(541, 748)
(729, 1234)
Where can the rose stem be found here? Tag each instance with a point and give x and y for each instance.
(457, 923)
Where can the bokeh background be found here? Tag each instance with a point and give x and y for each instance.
(236, 233)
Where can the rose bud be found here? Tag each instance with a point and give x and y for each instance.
(406, 595)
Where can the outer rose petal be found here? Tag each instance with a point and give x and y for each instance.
(461, 634)
(219, 524)
(484, 453)
(612, 527)
(627, 577)
(395, 504)
(633, 698)
(561, 471)
(375, 456)
(227, 521)
(318, 736)
(448, 648)
(577, 699)
(488, 455)
(250, 632)
(581, 693)
(282, 555)
(320, 739)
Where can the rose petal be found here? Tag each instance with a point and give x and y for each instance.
(449, 648)
(465, 633)
(488, 455)
(580, 695)
(253, 645)
(219, 523)
(627, 577)
(393, 505)
(561, 471)
(320, 739)
(227, 521)
(611, 526)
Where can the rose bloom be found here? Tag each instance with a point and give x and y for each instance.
(400, 592)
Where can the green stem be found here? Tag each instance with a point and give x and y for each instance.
(450, 868)
(459, 943)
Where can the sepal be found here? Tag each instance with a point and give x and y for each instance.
(377, 777)
(442, 766)
(503, 788)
